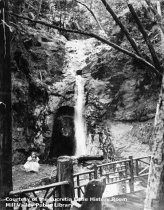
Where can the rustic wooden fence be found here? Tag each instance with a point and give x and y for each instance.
(114, 172)
(56, 196)
(38, 197)
(72, 186)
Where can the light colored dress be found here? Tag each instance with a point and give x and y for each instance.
(32, 164)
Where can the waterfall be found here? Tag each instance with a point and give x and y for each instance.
(79, 122)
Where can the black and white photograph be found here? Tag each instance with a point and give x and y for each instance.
(81, 105)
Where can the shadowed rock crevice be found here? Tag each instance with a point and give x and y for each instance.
(62, 142)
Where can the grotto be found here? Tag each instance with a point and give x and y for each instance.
(62, 142)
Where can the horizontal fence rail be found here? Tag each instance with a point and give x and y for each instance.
(52, 194)
(114, 172)
(43, 197)
(45, 187)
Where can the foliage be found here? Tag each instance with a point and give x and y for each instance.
(105, 142)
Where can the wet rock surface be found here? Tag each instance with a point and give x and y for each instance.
(44, 71)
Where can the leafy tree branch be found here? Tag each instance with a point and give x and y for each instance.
(145, 36)
(115, 46)
(130, 39)
(92, 13)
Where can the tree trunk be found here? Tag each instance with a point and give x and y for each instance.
(146, 38)
(5, 106)
(65, 173)
(123, 28)
(155, 189)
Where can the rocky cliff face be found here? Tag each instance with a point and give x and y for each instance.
(118, 90)
(37, 60)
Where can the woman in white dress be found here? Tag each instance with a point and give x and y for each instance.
(32, 163)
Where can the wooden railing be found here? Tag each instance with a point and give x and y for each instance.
(53, 196)
(114, 172)
(36, 197)
(81, 180)
(73, 185)
(141, 166)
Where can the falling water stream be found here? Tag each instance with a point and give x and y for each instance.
(77, 52)
(79, 122)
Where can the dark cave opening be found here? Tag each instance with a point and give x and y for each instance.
(63, 140)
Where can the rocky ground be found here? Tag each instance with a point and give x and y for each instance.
(130, 139)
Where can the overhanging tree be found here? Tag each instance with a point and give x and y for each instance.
(155, 189)
(5, 106)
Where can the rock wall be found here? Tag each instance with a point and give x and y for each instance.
(119, 91)
(37, 60)
(120, 94)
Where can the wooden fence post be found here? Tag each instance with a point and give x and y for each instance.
(65, 173)
(131, 168)
(101, 171)
(137, 168)
(78, 185)
(95, 172)
(122, 189)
